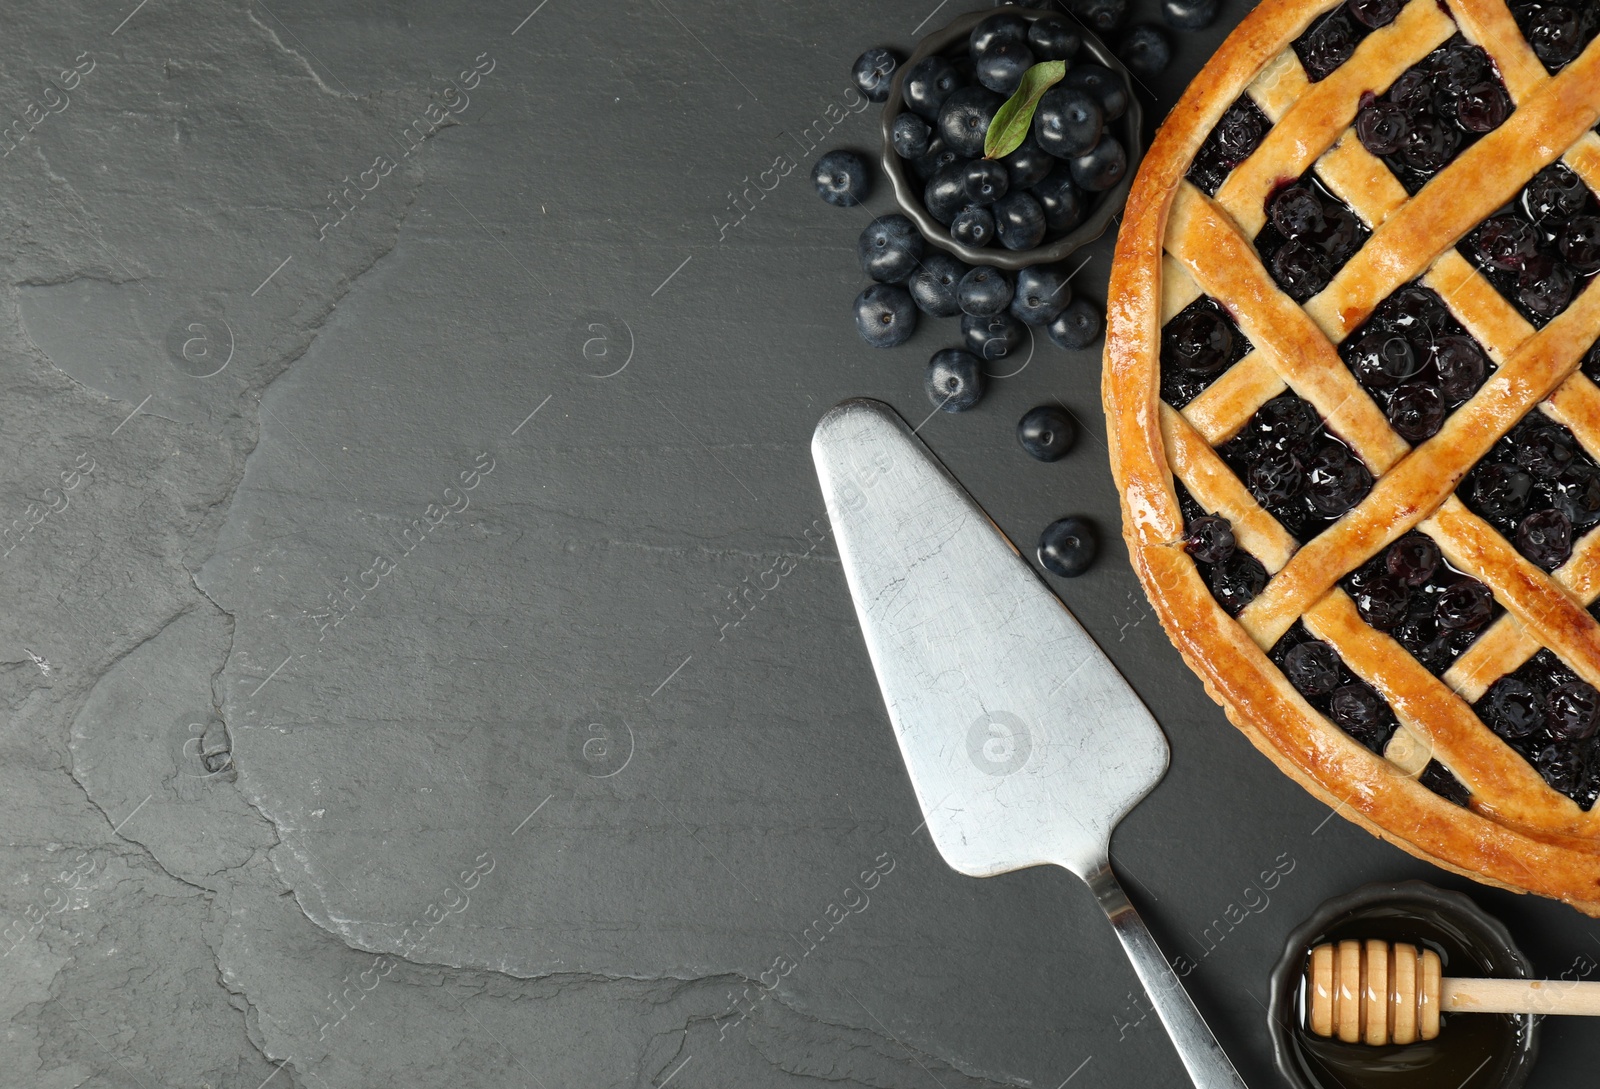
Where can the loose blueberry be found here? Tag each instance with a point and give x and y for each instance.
(984, 291)
(874, 71)
(1374, 13)
(1053, 38)
(1101, 168)
(1413, 559)
(946, 193)
(1100, 15)
(1545, 537)
(992, 337)
(1237, 581)
(1068, 121)
(1078, 326)
(1145, 51)
(889, 249)
(1189, 14)
(996, 30)
(973, 227)
(1382, 127)
(1029, 165)
(842, 179)
(1209, 539)
(1107, 86)
(1466, 606)
(1047, 432)
(1512, 709)
(964, 119)
(1417, 411)
(1042, 293)
(1067, 547)
(1313, 668)
(937, 158)
(928, 83)
(1570, 710)
(933, 285)
(986, 181)
(1061, 199)
(885, 315)
(1001, 67)
(911, 136)
(1197, 341)
(1019, 221)
(954, 380)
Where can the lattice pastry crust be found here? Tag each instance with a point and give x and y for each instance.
(1178, 244)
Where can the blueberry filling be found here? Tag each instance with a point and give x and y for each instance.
(1437, 778)
(1301, 474)
(1543, 248)
(1320, 675)
(1412, 593)
(1309, 236)
(1418, 363)
(1550, 716)
(1538, 487)
(1330, 40)
(1558, 32)
(1234, 576)
(1234, 140)
(1434, 111)
(1198, 345)
(1591, 363)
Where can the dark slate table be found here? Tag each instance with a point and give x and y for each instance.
(426, 659)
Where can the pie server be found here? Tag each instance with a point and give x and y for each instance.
(1024, 744)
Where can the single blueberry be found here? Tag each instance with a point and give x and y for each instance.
(1019, 221)
(986, 181)
(997, 30)
(1053, 38)
(964, 119)
(1382, 127)
(1078, 326)
(1545, 537)
(954, 380)
(1198, 341)
(933, 285)
(928, 83)
(885, 315)
(1067, 547)
(874, 71)
(936, 159)
(1314, 668)
(946, 193)
(1062, 201)
(984, 290)
(992, 337)
(1042, 293)
(1101, 168)
(889, 249)
(1030, 164)
(911, 136)
(973, 227)
(1047, 432)
(1189, 14)
(1001, 67)
(1068, 121)
(842, 179)
(1209, 538)
(1100, 15)
(1107, 86)
(1145, 51)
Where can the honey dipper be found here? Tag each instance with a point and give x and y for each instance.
(1374, 992)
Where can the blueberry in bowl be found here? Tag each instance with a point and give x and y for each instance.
(1061, 186)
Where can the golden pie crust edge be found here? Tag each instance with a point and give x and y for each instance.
(1360, 785)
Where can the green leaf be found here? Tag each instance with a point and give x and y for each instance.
(1011, 122)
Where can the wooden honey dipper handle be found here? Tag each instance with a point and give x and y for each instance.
(1374, 992)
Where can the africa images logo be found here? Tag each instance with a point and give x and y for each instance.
(998, 743)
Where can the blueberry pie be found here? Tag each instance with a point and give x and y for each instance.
(1351, 385)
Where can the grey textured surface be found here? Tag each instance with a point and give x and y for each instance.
(543, 807)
